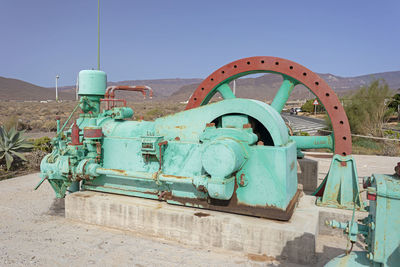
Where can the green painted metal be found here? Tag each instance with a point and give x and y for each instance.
(354, 259)
(341, 185)
(340, 178)
(236, 150)
(225, 91)
(283, 93)
(380, 228)
(313, 142)
(92, 82)
(206, 153)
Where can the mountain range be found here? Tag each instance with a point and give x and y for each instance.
(262, 87)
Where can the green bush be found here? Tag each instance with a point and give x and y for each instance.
(366, 109)
(309, 107)
(42, 144)
(391, 134)
(366, 143)
(395, 102)
(302, 134)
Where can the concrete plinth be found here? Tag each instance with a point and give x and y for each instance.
(308, 175)
(294, 240)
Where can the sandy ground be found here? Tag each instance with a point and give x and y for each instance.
(34, 232)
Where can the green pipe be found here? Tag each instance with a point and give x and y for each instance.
(70, 116)
(58, 126)
(176, 179)
(123, 173)
(308, 142)
(145, 175)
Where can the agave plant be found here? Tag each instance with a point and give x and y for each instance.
(12, 146)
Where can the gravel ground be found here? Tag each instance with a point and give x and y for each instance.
(34, 232)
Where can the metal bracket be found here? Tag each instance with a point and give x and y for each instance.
(340, 189)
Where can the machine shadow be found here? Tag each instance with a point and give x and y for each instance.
(57, 208)
(301, 251)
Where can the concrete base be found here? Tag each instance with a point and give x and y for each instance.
(308, 176)
(294, 240)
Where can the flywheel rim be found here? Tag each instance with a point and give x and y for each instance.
(293, 70)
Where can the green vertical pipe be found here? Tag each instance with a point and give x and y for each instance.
(309, 142)
(226, 91)
(283, 94)
(58, 126)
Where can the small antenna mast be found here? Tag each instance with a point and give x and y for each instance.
(98, 34)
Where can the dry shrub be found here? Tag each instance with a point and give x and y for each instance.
(49, 126)
(15, 122)
(391, 148)
(35, 157)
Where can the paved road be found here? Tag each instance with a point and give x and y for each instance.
(304, 124)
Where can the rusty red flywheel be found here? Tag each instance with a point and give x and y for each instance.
(287, 68)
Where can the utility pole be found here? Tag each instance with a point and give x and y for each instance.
(315, 110)
(77, 88)
(398, 112)
(57, 77)
(234, 87)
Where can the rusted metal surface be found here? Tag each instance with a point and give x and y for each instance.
(89, 132)
(234, 206)
(113, 100)
(175, 176)
(397, 169)
(110, 92)
(75, 135)
(316, 84)
(160, 145)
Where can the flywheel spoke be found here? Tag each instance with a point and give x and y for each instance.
(283, 93)
(225, 91)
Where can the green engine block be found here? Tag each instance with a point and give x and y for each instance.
(234, 155)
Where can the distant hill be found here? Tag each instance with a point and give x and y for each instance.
(265, 87)
(262, 87)
(13, 89)
(161, 87)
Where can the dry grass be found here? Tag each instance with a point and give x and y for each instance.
(41, 117)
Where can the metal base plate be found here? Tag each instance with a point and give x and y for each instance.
(233, 206)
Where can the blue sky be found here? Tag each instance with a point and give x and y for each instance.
(190, 39)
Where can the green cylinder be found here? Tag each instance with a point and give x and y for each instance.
(222, 157)
(92, 82)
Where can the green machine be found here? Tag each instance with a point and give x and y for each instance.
(235, 155)
(379, 230)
